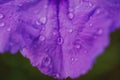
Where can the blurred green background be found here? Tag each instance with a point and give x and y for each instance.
(107, 66)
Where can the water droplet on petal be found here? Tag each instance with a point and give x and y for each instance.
(71, 15)
(54, 32)
(43, 20)
(70, 9)
(72, 59)
(45, 64)
(42, 38)
(1, 16)
(70, 30)
(77, 46)
(60, 40)
(46, 6)
(56, 75)
(2, 24)
(90, 4)
(46, 61)
(99, 31)
(9, 29)
(85, 51)
(98, 11)
(38, 23)
(90, 24)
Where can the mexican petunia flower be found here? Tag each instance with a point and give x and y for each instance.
(62, 38)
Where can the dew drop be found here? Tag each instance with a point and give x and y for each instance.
(70, 9)
(91, 25)
(43, 20)
(42, 38)
(1, 16)
(45, 64)
(38, 23)
(85, 51)
(9, 29)
(60, 40)
(99, 31)
(57, 75)
(74, 59)
(46, 6)
(2, 24)
(54, 32)
(90, 4)
(70, 30)
(77, 46)
(46, 61)
(71, 15)
(98, 11)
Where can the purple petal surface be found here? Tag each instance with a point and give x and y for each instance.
(61, 38)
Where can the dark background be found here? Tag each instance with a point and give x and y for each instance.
(107, 66)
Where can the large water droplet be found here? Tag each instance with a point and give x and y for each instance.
(46, 61)
(45, 64)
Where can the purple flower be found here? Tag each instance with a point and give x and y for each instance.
(61, 38)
